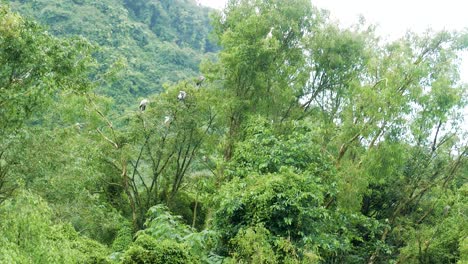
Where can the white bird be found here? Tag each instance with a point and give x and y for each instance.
(200, 80)
(446, 210)
(182, 95)
(143, 104)
(167, 120)
(270, 34)
(79, 126)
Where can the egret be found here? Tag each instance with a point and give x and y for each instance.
(182, 95)
(200, 80)
(167, 120)
(270, 34)
(143, 104)
(446, 210)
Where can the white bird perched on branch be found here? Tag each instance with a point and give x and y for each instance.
(200, 80)
(270, 34)
(446, 210)
(143, 104)
(182, 95)
(167, 120)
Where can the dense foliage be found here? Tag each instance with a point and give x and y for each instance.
(305, 143)
(145, 43)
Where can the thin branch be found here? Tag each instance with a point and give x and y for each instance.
(434, 143)
(107, 139)
(135, 171)
(109, 123)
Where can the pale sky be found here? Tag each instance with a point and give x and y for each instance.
(395, 17)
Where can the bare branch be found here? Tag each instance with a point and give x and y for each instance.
(107, 139)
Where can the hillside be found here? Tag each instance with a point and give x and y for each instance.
(306, 143)
(155, 41)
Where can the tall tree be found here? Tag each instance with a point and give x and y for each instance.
(153, 153)
(261, 61)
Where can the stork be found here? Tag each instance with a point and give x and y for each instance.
(270, 34)
(167, 120)
(200, 80)
(446, 210)
(143, 104)
(182, 95)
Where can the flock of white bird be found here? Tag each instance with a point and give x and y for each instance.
(181, 97)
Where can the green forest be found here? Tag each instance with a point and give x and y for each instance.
(162, 131)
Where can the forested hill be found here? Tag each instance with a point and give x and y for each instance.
(157, 41)
(306, 143)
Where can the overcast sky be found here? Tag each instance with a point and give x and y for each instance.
(395, 17)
